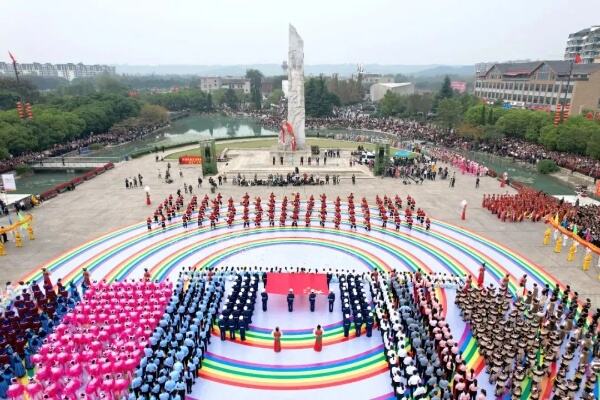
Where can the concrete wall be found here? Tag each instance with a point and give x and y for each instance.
(586, 94)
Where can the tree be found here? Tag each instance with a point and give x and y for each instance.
(516, 123)
(78, 87)
(537, 120)
(12, 91)
(275, 97)
(492, 135)
(472, 132)
(392, 104)
(449, 112)
(277, 81)
(548, 137)
(547, 167)
(476, 115)
(446, 91)
(318, 100)
(153, 115)
(419, 104)
(209, 102)
(400, 78)
(231, 99)
(110, 84)
(574, 134)
(593, 146)
(189, 99)
(467, 100)
(349, 91)
(255, 77)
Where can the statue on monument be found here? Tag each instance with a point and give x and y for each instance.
(287, 136)
(294, 126)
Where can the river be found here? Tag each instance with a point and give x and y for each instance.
(522, 173)
(197, 127)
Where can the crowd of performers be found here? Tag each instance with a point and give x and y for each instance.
(93, 352)
(93, 346)
(423, 356)
(236, 314)
(532, 205)
(528, 204)
(459, 162)
(356, 304)
(178, 345)
(389, 209)
(29, 317)
(542, 339)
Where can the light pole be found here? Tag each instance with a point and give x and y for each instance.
(147, 190)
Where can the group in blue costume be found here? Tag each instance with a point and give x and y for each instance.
(178, 344)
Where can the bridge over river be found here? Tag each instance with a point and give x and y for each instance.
(71, 163)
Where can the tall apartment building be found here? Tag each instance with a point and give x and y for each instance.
(212, 83)
(68, 71)
(542, 85)
(586, 43)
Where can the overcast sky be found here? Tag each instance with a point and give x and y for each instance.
(255, 31)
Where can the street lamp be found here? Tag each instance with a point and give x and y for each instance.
(147, 190)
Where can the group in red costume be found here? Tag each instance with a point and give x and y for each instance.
(528, 204)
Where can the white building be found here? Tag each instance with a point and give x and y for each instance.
(371, 79)
(68, 71)
(212, 83)
(379, 90)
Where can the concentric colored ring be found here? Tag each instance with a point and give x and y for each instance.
(125, 252)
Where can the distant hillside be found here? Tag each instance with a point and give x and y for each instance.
(462, 70)
(275, 69)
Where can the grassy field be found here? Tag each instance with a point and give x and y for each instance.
(265, 143)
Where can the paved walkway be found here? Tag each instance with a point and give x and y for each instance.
(103, 204)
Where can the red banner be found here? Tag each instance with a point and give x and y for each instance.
(301, 283)
(190, 160)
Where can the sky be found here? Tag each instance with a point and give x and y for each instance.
(213, 32)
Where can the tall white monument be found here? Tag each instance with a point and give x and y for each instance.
(296, 112)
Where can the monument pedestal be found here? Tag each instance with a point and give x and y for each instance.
(260, 162)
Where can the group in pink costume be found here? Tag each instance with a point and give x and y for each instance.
(96, 348)
(465, 165)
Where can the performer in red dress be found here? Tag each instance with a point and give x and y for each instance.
(481, 275)
(277, 340)
(318, 338)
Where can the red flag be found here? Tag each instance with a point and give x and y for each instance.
(300, 283)
(577, 59)
(12, 57)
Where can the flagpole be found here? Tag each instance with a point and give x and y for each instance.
(14, 63)
(562, 110)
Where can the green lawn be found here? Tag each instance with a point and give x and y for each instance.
(267, 143)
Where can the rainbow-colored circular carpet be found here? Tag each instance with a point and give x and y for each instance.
(351, 367)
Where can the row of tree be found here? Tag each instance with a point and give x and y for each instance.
(492, 123)
(60, 117)
(188, 99)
